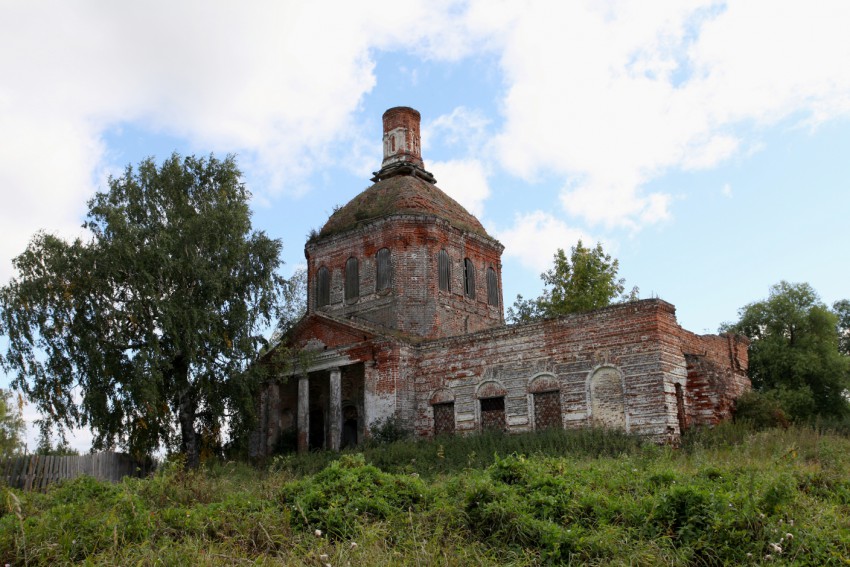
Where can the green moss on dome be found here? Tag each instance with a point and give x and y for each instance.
(402, 194)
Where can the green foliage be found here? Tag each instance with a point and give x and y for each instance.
(12, 427)
(389, 430)
(60, 449)
(585, 281)
(348, 491)
(739, 496)
(155, 319)
(794, 352)
(761, 409)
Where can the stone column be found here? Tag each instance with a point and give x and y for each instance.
(303, 413)
(336, 408)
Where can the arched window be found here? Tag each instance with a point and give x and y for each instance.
(352, 279)
(384, 270)
(323, 287)
(468, 278)
(444, 269)
(492, 287)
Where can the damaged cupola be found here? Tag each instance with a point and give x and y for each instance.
(403, 254)
(402, 148)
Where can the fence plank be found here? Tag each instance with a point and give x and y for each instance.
(36, 472)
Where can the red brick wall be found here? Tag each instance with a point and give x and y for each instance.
(414, 304)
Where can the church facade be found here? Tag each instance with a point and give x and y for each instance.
(405, 322)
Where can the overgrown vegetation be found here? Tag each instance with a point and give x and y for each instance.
(585, 281)
(798, 362)
(732, 495)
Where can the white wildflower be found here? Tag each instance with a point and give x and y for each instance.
(768, 557)
(789, 537)
(317, 533)
(353, 545)
(775, 547)
(323, 557)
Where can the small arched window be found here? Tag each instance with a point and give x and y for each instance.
(352, 279)
(492, 287)
(469, 278)
(323, 287)
(384, 270)
(444, 270)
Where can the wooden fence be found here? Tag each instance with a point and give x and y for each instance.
(35, 472)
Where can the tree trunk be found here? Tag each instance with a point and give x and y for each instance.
(187, 410)
(188, 435)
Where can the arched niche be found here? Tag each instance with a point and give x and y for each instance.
(606, 398)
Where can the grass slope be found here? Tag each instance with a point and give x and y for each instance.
(729, 496)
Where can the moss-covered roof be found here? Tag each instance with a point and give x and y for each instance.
(402, 194)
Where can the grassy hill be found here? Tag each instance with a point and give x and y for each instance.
(732, 495)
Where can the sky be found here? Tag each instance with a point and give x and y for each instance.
(705, 144)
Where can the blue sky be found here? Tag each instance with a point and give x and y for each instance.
(705, 144)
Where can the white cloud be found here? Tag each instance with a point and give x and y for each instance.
(463, 129)
(465, 181)
(612, 95)
(535, 237)
(275, 82)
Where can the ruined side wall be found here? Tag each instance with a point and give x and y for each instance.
(624, 340)
(716, 375)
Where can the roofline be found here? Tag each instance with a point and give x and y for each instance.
(369, 223)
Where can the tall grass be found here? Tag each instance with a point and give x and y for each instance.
(731, 495)
(451, 454)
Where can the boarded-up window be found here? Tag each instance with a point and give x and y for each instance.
(493, 414)
(384, 275)
(607, 402)
(492, 287)
(469, 278)
(352, 279)
(547, 410)
(444, 418)
(444, 269)
(323, 287)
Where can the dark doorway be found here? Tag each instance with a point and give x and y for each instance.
(349, 427)
(317, 430)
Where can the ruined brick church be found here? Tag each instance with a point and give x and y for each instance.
(405, 321)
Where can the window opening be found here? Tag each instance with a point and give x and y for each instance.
(469, 278)
(323, 287)
(493, 414)
(444, 418)
(352, 279)
(384, 275)
(444, 270)
(492, 287)
(547, 410)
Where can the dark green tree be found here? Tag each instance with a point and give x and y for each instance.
(146, 331)
(794, 353)
(585, 281)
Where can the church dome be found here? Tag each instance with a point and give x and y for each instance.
(400, 194)
(402, 185)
